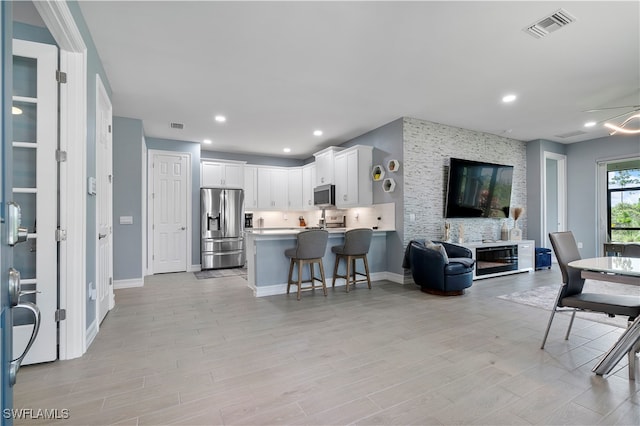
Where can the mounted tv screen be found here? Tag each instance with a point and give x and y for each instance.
(478, 189)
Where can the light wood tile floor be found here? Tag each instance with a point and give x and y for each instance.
(199, 352)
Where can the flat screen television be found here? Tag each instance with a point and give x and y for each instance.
(477, 189)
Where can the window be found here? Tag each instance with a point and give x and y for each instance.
(623, 202)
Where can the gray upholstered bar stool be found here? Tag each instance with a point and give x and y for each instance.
(309, 249)
(356, 246)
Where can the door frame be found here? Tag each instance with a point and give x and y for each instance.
(561, 159)
(150, 181)
(73, 200)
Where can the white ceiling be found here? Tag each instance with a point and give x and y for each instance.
(279, 70)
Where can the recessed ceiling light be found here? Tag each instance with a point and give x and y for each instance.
(590, 124)
(15, 110)
(509, 98)
(220, 118)
(317, 133)
(287, 149)
(207, 141)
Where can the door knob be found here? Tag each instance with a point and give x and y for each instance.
(183, 228)
(101, 236)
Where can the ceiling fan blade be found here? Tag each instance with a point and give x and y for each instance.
(618, 107)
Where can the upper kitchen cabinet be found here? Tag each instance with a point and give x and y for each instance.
(354, 187)
(325, 161)
(250, 187)
(273, 188)
(308, 183)
(218, 174)
(295, 188)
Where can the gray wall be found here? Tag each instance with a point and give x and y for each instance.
(427, 150)
(127, 198)
(194, 149)
(387, 141)
(262, 160)
(582, 158)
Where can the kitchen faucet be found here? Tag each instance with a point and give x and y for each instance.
(323, 220)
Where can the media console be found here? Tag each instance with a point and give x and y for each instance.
(502, 257)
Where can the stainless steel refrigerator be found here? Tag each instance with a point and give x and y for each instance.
(222, 227)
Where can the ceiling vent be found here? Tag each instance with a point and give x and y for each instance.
(571, 134)
(551, 23)
(178, 126)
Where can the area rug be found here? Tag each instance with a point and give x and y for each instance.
(221, 273)
(544, 297)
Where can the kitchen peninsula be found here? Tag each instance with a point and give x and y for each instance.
(267, 266)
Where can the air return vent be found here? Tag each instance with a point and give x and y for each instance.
(571, 134)
(179, 126)
(549, 24)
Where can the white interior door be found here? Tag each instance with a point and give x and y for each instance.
(170, 198)
(104, 195)
(35, 129)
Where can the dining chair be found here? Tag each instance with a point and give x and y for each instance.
(570, 294)
(631, 250)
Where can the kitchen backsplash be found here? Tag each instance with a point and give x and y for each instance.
(366, 217)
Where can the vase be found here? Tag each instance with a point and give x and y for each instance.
(516, 233)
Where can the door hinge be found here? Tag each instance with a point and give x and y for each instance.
(110, 281)
(61, 77)
(61, 156)
(110, 177)
(61, 315)
(61, 235)
(109, 128)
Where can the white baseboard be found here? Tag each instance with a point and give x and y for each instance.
(92, 332)
(136, 282)
(194, 268)
(275, 289)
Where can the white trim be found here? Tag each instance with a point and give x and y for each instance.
(119, 284)
(150, 154)
(276, 289)
(562, 194)
(145, 260)
(92, 332)
(60, 23)
(194, 268)
(73, 134)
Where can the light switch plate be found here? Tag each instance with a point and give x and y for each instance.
(126, 220)
(91, 185)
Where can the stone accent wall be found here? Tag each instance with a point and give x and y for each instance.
(427, 149)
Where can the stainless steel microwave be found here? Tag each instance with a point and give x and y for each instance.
(324, 196)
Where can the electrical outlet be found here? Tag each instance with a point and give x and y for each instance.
(412, 217)
(580, 244)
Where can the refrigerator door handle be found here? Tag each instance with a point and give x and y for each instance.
(223, 208)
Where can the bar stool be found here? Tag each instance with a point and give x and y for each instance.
(309, 249)
(356, 246)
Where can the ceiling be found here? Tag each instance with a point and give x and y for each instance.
(280, 70)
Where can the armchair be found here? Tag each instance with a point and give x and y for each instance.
(446, 274)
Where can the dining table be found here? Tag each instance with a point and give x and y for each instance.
(622, 270)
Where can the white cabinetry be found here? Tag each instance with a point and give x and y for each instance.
(325, 165)
(308, 183)
(353, 183)
(526, 255)
(500, 258)
(295, 188)
(273, 188)
(216, 174)
(250, 187)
